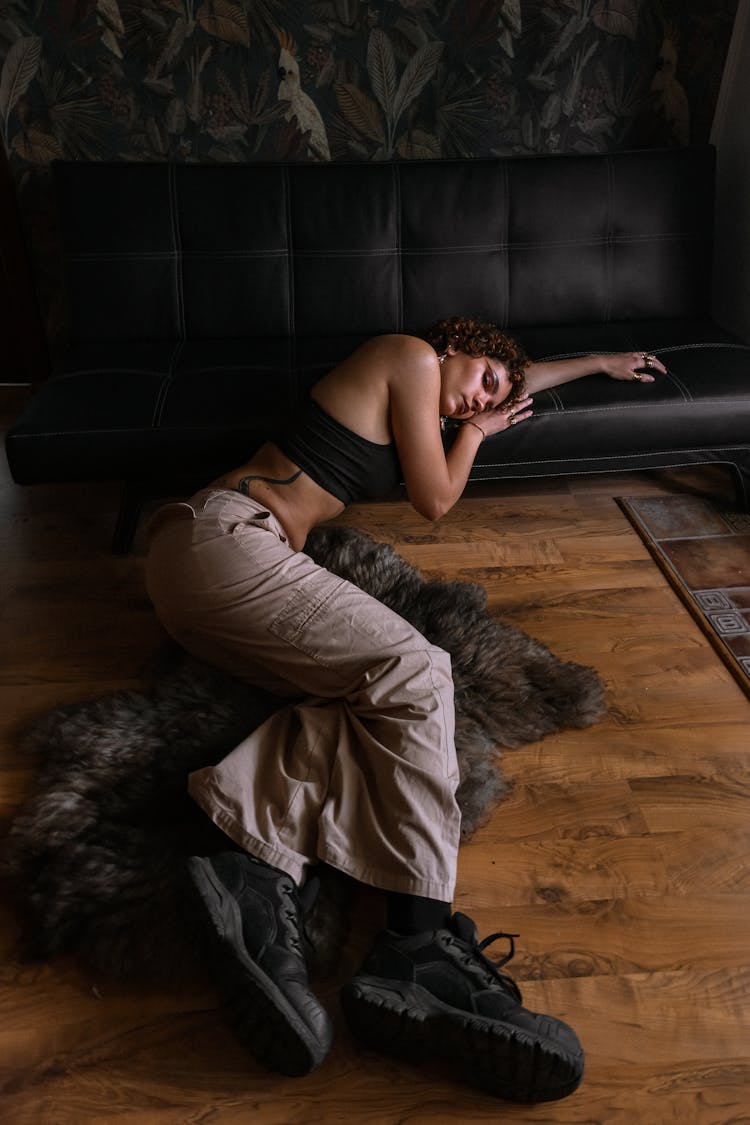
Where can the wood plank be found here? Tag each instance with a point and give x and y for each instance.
(620, 857)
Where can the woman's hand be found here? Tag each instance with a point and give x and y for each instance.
(498, 418)
(632, 366)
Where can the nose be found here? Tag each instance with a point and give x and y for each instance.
(479, 402)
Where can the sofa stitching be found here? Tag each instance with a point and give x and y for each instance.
(464, 248)
(175, 357)
(399, 294)
(703, 458)
(167, 380)
(617, 408)
(707, 344)
(120, 255)
(291, 309)
(61, 376)
(159, 404)
(608, 252)
(176, 242)
(613, 457)
(682, 387)
(672, 348)
(744, 449)
(287, 204)
(674, 379)
(551, 392)
(505, 245)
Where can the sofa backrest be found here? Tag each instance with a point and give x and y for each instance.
(187, 251)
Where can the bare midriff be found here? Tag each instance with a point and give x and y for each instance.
(298, 503)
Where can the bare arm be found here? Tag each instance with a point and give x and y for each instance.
(434, 490)
(619, 365)
(434, 479)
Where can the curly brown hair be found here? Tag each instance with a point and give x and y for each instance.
(478, 338)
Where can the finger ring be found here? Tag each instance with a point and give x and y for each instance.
(637, 376)
(512, 420)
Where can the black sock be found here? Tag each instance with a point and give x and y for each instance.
(412, 914)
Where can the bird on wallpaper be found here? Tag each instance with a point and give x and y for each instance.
(670, 94)
(301, 104)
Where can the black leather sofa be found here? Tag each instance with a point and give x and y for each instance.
(204, 300)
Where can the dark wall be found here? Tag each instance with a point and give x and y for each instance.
(244, 80)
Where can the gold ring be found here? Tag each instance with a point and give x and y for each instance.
(637, 376)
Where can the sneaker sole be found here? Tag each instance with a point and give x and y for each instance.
(255, 1007)
(405, 1020)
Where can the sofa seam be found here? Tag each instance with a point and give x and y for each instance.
(399, 295)
(503, 247)
(463, 248)
(290, 280)
(292, 325)
(620, 406)
(677, 382)
(485, 465)
(609, 250)
(612, 457)
(167, 380)
(177, 243)
(669, 348)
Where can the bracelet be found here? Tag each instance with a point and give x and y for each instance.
(469, 422)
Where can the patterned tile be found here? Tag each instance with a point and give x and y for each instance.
(705, 552)
(721, 561)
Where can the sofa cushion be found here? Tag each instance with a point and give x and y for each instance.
(138, 411)
(205, 300)
(169, 251)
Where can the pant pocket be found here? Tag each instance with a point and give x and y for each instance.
(306, 621)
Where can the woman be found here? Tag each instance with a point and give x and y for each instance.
(359, 769)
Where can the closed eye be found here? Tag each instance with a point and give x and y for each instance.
(490, 381)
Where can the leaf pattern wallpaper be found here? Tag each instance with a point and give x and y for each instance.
(264, 80)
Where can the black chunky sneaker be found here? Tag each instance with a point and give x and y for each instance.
(260, 961)
(436, 995)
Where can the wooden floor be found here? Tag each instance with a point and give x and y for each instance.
(621, 858)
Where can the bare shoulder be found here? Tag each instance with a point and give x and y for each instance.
(386, 373)
(392, 360)
(400, 348)
(404, 361)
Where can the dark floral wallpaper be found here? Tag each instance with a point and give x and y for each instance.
(246, 80)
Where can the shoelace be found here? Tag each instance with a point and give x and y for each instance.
(294, 936)
(291, 912)
(476, 953)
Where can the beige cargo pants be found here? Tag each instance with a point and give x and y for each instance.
(359, 768)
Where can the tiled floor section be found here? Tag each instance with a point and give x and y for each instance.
(704, 550)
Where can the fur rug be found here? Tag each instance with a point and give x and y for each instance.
(97, 855)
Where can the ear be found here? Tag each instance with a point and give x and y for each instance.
(450, 350)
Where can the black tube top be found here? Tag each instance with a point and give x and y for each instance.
(348, 466)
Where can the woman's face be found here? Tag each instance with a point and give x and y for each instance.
(470, 385)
